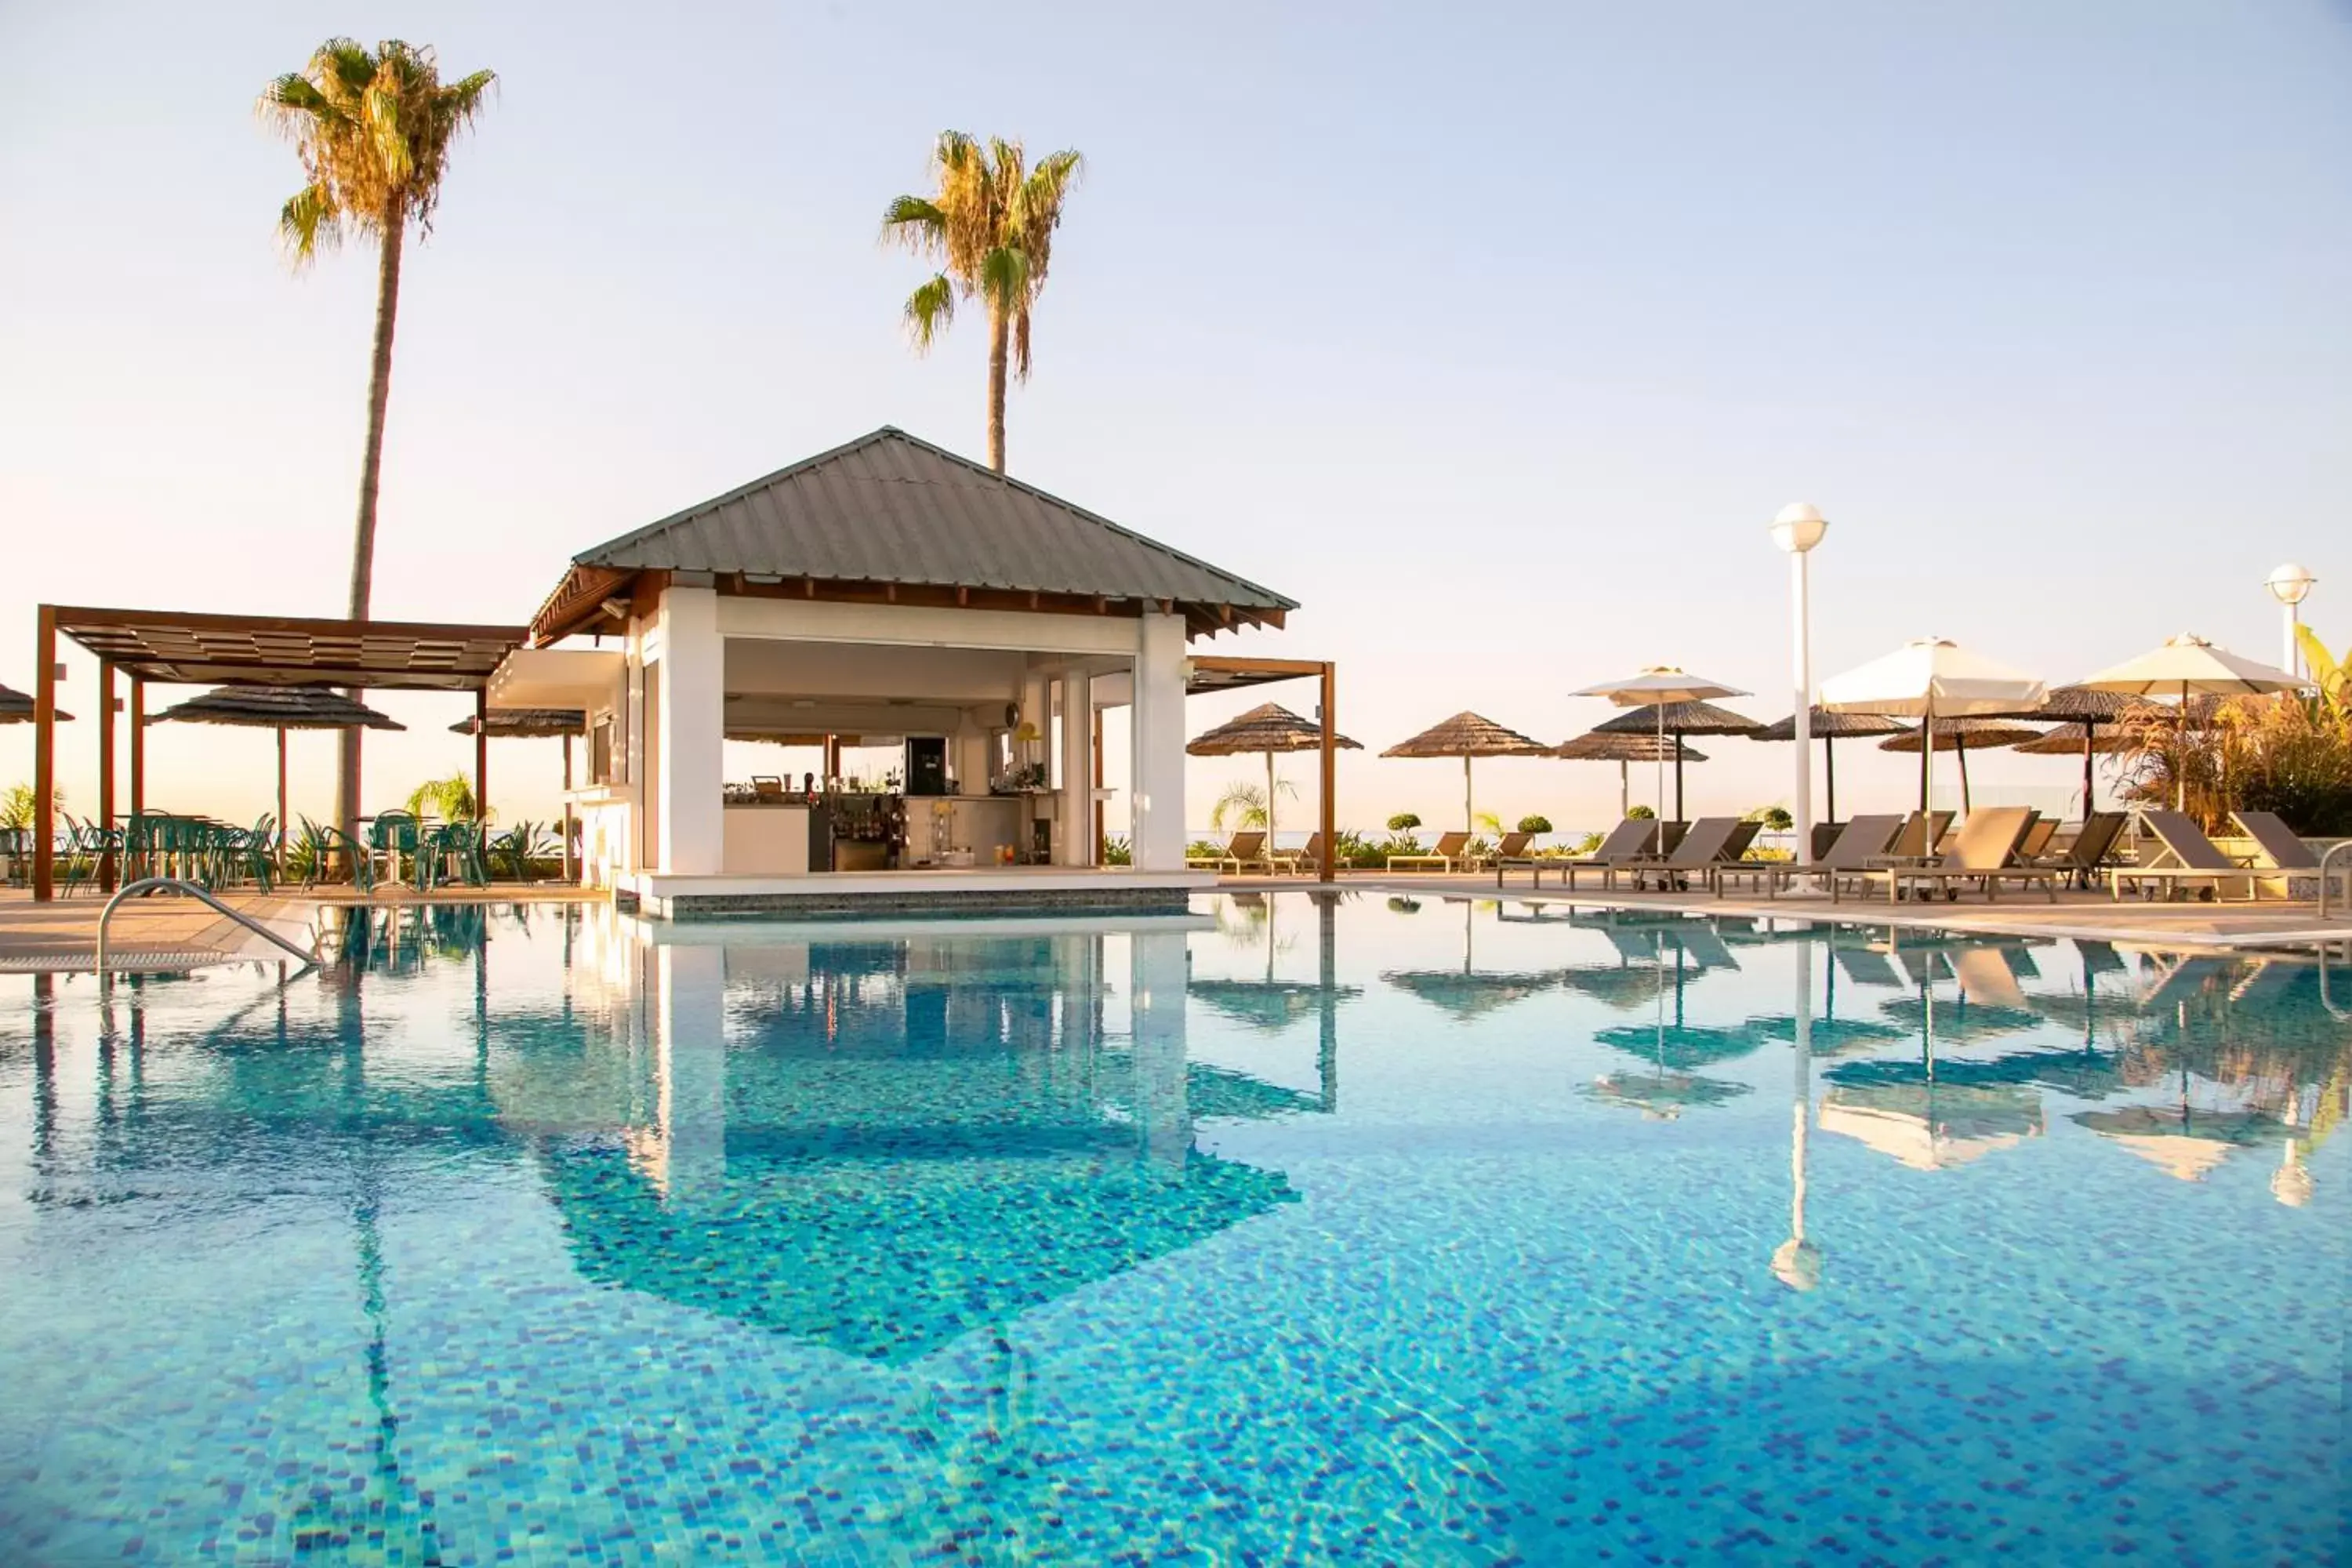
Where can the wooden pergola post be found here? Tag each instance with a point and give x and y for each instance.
(1331, 774)
(44, 755)
(138, 746)
(481, 756)
(106, 867)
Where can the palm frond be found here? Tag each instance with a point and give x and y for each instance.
(372, 128)
(307, 221)
(1003, 278)
(915, 222)
(929, 310)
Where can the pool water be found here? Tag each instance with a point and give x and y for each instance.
(1299, 1230)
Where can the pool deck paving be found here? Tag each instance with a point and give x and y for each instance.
(2093, 916)
(178, 932)
(181, 932)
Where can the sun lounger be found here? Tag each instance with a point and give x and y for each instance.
(1668, 840)
(2182, 855)
(1628, 840)
(1866, 839)
(1242, 851)
(2035, 846)
(2087, 852)
(1450, 853)
(1711, 841)
(1310, 858)
(1922, 831)
(1985, 852)
(2278, 848)
(1511, 847)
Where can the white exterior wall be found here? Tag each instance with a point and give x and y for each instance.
(690, 821)
(1156, 808)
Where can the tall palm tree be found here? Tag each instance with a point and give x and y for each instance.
(991, 223)
(373, 130)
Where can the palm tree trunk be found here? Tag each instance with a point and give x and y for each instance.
(387, 311)
(998, 328)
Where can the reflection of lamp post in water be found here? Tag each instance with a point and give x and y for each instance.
(1326, 1000)
(1797, 1262)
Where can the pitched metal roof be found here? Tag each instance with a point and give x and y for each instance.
(890, 508)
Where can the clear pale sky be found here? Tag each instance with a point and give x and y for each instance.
(1495, 335)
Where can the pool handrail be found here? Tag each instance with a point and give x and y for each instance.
(194, 890)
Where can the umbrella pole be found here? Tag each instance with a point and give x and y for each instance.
(1624, 790)
(1662, 777)
(2090, 739)
(1469, 810)
(280, 854)
(1828, 774)
(1678, 778)
(1960, 748)
(2180, 756)
(1927, 766)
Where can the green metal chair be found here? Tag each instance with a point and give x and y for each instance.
(393, 833)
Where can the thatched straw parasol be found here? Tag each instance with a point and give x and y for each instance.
(1466, 736)
(527, 724)
(279, 708)
(1678, 720)
(1599, 746)
(1270, 728)
(15, 707)
(1963, 735)
(1829, 728)
(536, 724)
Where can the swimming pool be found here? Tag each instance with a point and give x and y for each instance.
(1389, 1230)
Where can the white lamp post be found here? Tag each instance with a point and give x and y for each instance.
(2290, 584)
(1797, 529)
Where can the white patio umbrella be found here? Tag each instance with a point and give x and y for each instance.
(2187, 667)
(1926, 680)
(1659, 685)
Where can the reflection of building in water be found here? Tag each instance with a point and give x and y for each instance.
(880, 1146)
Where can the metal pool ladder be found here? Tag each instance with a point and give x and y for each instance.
(2326, 872)
(195, 891)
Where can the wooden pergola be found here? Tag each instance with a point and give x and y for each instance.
(1213, 672)
(195, 648)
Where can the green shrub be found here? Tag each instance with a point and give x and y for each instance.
(1644, 813)
(1116, 850)
(1202, 850)
(1403, 821)
(1773, 818)
(1535, 823)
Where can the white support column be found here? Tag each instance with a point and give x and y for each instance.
(692, 717)
(1074, 834)
(1163, 1109)
(1157, 778)
(689, 1037)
